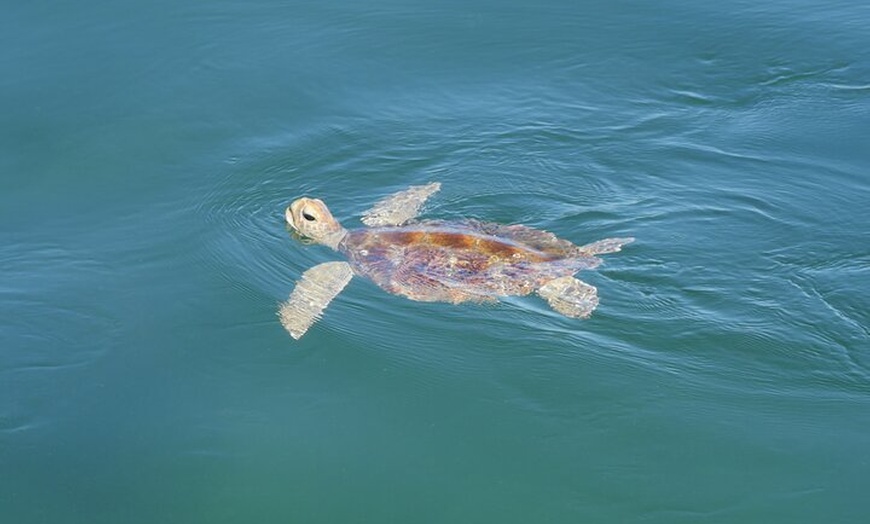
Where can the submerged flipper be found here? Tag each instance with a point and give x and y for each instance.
(608, 245)
(570, 297)
(317, 287)
(399, 208)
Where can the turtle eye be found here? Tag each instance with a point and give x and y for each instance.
(308, 216)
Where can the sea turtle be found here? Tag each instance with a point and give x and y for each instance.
(433, 260)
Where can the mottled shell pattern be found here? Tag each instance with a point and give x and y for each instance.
(461, 261)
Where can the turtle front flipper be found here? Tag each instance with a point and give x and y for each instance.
(317, 287)
(570, 297)
(399, 208)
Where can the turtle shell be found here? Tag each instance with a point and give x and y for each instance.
(461, 261)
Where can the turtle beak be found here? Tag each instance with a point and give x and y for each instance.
(288, 216)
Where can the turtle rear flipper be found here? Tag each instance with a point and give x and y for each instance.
(317, 287)
(400, 207)
(570, 297)
(608, 245)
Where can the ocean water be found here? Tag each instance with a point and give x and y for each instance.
(148, 149)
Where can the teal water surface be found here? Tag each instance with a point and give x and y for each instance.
(147, 152)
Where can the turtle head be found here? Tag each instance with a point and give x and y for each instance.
(310, 218)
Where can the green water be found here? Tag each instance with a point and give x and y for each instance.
(147, 151)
